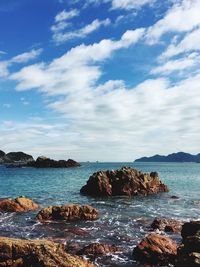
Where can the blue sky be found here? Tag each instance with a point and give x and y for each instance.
(108, 80)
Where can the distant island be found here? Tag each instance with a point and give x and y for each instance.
(21, 159)
(174, 157)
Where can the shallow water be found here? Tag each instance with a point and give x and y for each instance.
(123, 221)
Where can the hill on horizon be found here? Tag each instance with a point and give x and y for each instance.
(174, 157)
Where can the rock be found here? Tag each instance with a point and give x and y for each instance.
(97, 249)
(126, 181)
(189, 251)
(43, 162)
(155, 249)
(71, 212)
(37, 253)
(190, 229)
(78, 231)
(18, 156)
(175, 197)
(167, 225)
(2, 154)
(20, 204)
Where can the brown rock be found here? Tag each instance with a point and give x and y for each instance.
(155, 249)
(190, 229)
(126, 181)
(167, 225)
(189, 251)
(20, 204)
(37, 253)
(71, 212)
(97, 249)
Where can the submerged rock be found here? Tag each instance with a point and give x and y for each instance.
(189, 251)
(156, 249)
(71, 212)
(97, 249)
(20, 204)
(126, 181)
(37, 253)
(167, 225)
(43, 162)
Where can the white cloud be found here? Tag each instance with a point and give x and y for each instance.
(130, 4)
(3, 69)
(60, 36)
(191, 42)
(27, 56)
(153, 116)
(66, 15)
(76, 70)
(177, 65)
(22, 58)
(182, 17)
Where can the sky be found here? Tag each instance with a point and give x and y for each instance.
(107, 80)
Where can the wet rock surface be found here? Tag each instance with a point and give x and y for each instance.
(71, 212)
(156, 249)
(98, 249)
(37, 253)
(167, 225)
(126, 181)
(20, 204)
(189, 251)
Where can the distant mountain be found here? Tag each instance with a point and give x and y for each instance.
(174, 157)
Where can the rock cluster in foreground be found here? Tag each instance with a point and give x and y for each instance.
(189, 251)
(19, 204)
(37, 253)
(72, 212)
(126, 181)
(167, 225)
(156, 249)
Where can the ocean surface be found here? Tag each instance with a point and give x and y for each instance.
(123, 221)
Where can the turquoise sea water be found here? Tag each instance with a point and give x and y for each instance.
(123, 221)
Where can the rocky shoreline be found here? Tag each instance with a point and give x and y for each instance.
(156, 249)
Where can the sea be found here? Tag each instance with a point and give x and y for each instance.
(123, 221)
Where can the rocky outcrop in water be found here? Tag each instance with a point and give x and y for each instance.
(20, 204)
(189, 251)
(72, 212)
(15, 157)
(43, 162)
(98, 249)
(126, 181)
(37, 253)
(156, 249)
(167, 225)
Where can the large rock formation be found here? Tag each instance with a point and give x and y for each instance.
(155, 249)
(189, 251)
(126, 181)
(72, 212)
(37, 253)
(43, 162)
(20, 204)
(167, 225)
